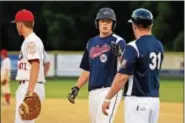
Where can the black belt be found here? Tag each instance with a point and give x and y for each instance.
(100, 87)
(23, 81)
(140, 96)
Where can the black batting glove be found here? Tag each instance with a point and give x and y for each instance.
(116, 49)
(73, 94)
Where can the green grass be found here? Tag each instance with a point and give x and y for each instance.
(170, 90)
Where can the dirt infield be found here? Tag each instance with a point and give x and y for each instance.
(60, 111)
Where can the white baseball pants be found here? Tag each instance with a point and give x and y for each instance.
(141, 109)
(96, 98)
(5, 88)
(20, 94)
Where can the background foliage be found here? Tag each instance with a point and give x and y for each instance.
(65, 25)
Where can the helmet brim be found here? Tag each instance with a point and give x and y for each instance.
(130, 21)
(13, 21)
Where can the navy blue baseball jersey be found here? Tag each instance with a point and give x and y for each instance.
(100, 60)
(142, 60)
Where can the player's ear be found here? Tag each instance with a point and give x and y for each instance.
(134, 27)
(21, 24)
(33, 24)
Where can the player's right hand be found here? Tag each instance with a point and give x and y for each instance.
(73, 94)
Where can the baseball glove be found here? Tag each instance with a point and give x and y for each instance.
(73, 94)
(4, 82)
(31, 106)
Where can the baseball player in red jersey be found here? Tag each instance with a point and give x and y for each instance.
(30, 70)
(5, 76)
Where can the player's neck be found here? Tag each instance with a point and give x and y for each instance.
(27, 32)
(103, 35)
(142, 33)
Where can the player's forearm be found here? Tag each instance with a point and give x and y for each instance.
(82, 80)
(46, 68)
(118, 83)
(33, 75)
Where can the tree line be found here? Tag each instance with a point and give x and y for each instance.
(67, 25)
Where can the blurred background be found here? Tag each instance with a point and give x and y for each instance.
(68, 25)
(65, 27)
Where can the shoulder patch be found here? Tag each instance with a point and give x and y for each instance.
(31, 47)
(123, 63)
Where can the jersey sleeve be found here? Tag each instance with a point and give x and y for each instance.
(32, 50)
(129, 60)
(122, 45)
(46, 57)
(85, 61)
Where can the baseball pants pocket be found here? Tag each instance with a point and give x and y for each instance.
(138, 110)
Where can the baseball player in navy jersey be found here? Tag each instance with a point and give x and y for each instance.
(100, 64)
(141, 65)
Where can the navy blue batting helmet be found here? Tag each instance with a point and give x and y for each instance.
(141, 17)
(106, 13)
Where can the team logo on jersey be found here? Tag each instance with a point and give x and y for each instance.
(103, 58)
(97, 50)
(31, 48)
(20, 55)
(123, 63)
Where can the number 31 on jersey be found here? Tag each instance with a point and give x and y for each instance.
(156, 60)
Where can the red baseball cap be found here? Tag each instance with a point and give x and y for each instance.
(23, 15)
(4, 52)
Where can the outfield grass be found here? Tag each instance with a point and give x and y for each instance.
(170, 90)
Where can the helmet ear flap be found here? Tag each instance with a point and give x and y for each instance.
(114, 25)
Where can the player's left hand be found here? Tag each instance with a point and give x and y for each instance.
(73, 94)
(31, 106)
(105, 107)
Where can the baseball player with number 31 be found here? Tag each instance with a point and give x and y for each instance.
(141, 65)
(30, 73)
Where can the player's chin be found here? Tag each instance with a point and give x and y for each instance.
(106, 31)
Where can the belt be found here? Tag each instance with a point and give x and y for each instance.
(23, 81)
(100, 87)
